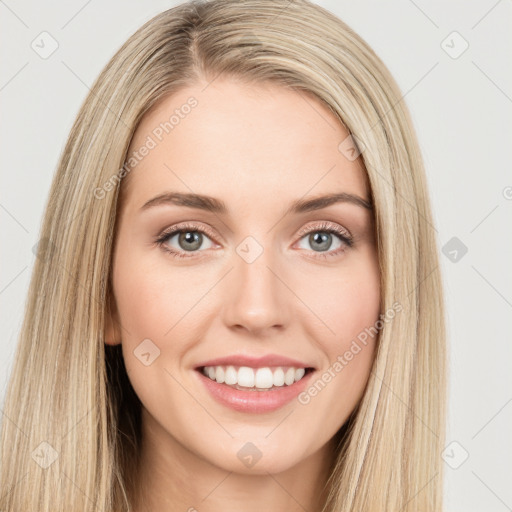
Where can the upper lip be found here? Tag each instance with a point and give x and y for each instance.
(254, 362)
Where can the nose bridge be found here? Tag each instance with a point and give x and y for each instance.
(256, 295)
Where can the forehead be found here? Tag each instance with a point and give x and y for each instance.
(244, 141)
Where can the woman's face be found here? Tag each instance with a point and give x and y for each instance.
(257, 272)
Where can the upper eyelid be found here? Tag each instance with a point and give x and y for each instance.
(183, 226)
(328, 225)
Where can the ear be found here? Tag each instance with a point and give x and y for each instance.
(112, 323)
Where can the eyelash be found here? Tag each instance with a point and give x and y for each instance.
(325, 227)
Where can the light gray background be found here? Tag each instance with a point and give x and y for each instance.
(461, 108)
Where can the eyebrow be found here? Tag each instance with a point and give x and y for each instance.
(211, 204)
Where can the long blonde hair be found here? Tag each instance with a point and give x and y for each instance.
(71, 424)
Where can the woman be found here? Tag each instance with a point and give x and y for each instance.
(237, 299)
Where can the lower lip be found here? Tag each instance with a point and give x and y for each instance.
(254, 401)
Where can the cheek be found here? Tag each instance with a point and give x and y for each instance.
(350, 309)
(352, 302)
(150, 299)
(142, 303)
(150, 305)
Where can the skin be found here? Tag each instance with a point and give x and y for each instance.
(239, 144)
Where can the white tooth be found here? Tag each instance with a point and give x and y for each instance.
(299, 373)
(246, 377)
(264, 378)
(289, 378)
(219, 374)
(278, 377)
(261, 378)
(230, 377)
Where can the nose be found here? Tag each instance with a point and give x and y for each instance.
(256, 298)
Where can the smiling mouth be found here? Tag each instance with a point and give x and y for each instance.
(245, 378)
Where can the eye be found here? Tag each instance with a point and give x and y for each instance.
(189, 238)
(320, 237)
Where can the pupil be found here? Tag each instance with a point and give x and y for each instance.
(189, 237)
(322, 238)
